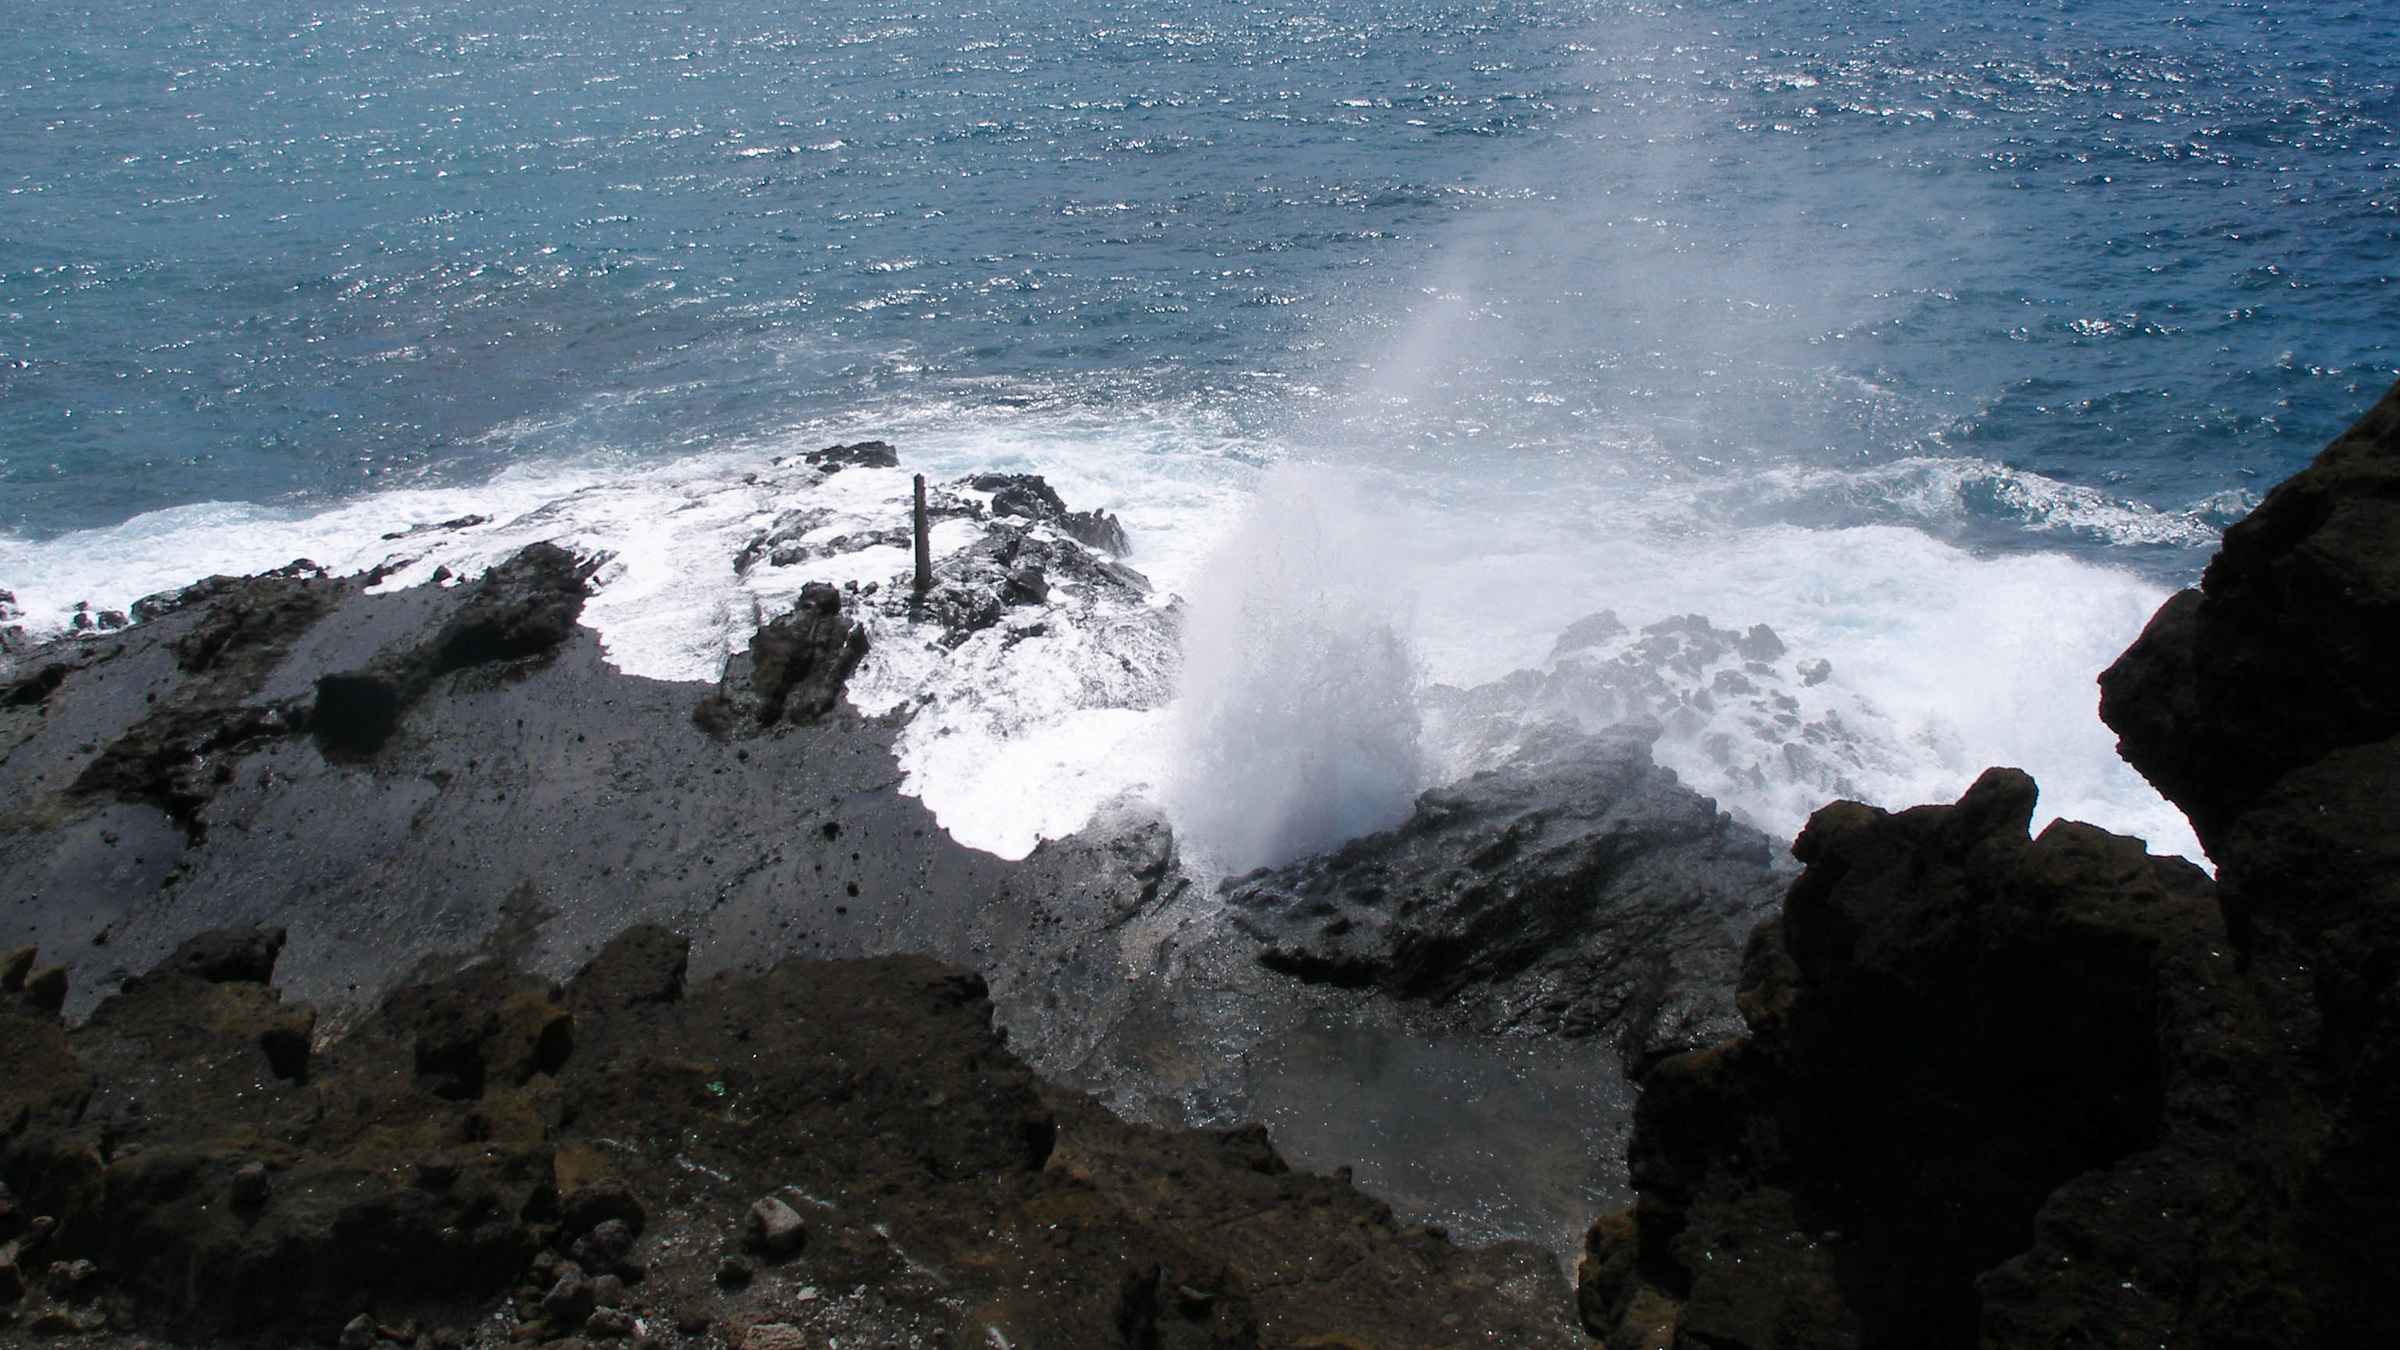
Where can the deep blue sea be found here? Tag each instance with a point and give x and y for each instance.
(1944, 334)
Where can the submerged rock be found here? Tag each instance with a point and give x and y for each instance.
(857, 455)
(1578, 889)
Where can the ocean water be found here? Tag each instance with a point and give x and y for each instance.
(1942, 337)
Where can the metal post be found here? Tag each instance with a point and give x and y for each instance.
(924, 543)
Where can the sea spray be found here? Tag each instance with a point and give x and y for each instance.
(1296, 725)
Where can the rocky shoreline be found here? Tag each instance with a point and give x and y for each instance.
(391, 968)
(400, 784)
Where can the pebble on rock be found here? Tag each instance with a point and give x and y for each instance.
(773, 1228)
(569, 1301)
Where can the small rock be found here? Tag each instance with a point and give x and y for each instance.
(1816, 672)
(608, 1324)
(585, 1207)
(82, 622)
(358, 1333)
(12, 1280)
(773, 1228)
(71, 1275)
(250, 1186)
(112, 620)
(1759, 644)
(570, 1300)
(605, 1247)
(609, 1291)
(772, 1336)
(1027, 586)
(692, 1324)
(733, 1272)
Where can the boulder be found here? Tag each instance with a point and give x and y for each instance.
(794, 671)
(772, 1228)
(1579, 889)
(856, 455)
(1029, 497)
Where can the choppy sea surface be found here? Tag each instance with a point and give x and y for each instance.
(1942, 337)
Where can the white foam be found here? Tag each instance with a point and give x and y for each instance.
(1939, 490)
(1296, 721)
(1943, 662)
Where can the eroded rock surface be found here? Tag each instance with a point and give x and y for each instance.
(794, 670)
(587, 1157)
(1578, 889)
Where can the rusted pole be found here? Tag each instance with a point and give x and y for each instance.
(924, 544)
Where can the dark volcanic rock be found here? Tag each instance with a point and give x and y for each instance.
(1029, 496)
(452, 525)
(173, 756)
(2289, 648)
(876, 1091)
(794, 671)
(2267, 705)
(1013, 566)
(1948, 1023)
(2009, 1093)
(520, 611)
(1580, 888)
(859, 454)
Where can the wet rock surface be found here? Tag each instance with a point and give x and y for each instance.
(518, 613)
(948, 1196)
(1577, 890)
(794, 670)
(2009, 1092)
(1029, 496)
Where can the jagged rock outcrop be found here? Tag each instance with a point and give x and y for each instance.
(587, 1157)
(795, 669)
(2288, 650)
(2006, 1093)
(2267, 705)
(1029, 496)
(856, 455)
(1578, 889)
(520, 611)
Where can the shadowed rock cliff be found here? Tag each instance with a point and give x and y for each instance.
(2056, 1092)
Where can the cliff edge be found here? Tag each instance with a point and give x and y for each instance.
(2004, 1091)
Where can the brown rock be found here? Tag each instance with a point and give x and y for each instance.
(772, 1336)
(772, 1228)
